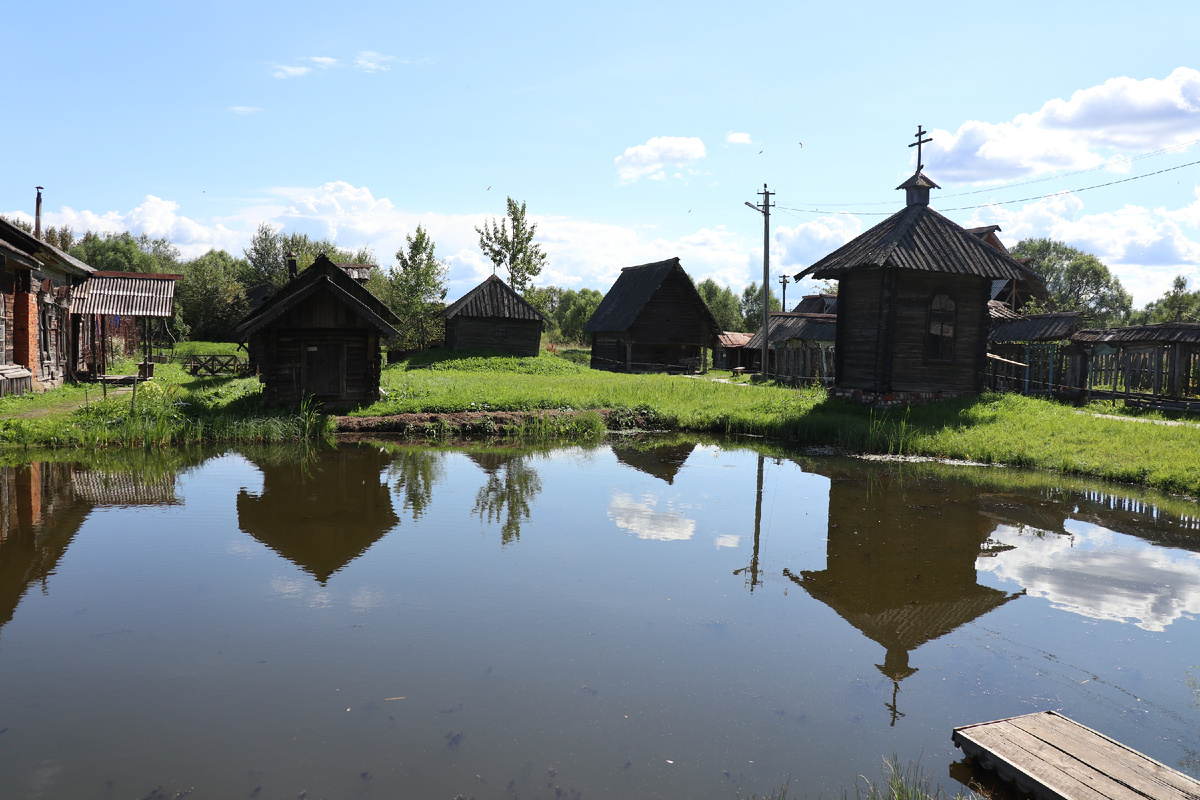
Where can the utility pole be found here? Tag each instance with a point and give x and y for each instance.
(783, 281)
(764, 208)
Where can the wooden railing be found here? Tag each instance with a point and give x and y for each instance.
(215, 365)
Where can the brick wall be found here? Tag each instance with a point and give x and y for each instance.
(25, 331)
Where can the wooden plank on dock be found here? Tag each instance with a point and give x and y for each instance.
(1055, 758)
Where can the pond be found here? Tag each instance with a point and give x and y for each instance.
(650, 619)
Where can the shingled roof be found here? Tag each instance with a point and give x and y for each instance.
(1034, 327)
(919, 238)
(633, 289)
(327, 275)
(1184, 332)
(492, 298)
(792, 325)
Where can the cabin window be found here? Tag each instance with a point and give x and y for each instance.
(939, 332)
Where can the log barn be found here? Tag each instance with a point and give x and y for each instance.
(319, 336)
(912, 307)
(493, 317)
(652, 320)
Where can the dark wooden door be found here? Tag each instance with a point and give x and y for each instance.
(324, 369)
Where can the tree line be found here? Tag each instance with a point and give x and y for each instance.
(212, 295)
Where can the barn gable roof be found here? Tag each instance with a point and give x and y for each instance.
(492, 298)
(919, 238)
(633, 289)
(323, 274)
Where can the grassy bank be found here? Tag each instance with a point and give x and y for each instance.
(567, 400)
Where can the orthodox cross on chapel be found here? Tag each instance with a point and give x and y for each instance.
(917, 144)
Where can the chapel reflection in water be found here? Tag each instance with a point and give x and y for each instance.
(900, 562)
(320, 512)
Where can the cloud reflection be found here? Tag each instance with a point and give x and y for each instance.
(643, 520)
(1083, 573)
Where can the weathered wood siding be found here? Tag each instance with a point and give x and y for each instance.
(672, 317)
(608, 351)
(861, 306)
(910, 371)
(283, 353)
(520, 337)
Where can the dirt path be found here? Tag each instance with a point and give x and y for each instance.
(1139, 419)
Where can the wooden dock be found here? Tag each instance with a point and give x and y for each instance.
(1053, 757)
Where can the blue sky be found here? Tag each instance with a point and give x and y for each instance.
(633, 131)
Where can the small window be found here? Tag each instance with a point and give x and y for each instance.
(939, 335)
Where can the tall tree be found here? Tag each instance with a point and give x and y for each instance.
(752, 306)
(723, 304)
(1077, 281)
(1176, 305)
(124, 252)
(416, 288)
(269, 247)
(574, 312)
(515, 252)
(209, 298)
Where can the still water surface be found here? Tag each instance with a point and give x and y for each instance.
(683, 620)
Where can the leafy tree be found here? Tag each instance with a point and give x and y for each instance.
(124, 252)
(61, 237)
(723, 304)
(415, 290)
(209, 298)
(1077, 281)
(752, 306)
(1176, 305)
(267, 254)
(573, 313)
(517, 253)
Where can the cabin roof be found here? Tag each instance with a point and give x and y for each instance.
(44, 253)
(492, 298)
(734, 338)
(782, 326)
(631, 292)
(323, 274)
(1035, 327)
(817, 304)
(1184, 332)
(11, 253)
(132, 293)
(919, 238)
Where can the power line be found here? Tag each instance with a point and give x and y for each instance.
(999, 202)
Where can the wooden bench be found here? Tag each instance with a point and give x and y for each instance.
(1053, 757)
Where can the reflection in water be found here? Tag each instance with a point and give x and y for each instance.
(663, 463)
(416, 470)
(643, 519)
(323, 512)
(901, 564)
(511, 486)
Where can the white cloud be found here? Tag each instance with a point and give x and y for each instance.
(370, 61)
(653, 158)
(245, 111)
(324, 62)
(1091, 129)
(285, 71)
(738, 138)
(645, 521)
(801, 245)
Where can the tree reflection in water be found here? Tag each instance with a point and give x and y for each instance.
(511, 486)
(414, 472)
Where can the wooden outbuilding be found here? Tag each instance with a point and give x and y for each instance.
(319, 336)
(652, 320)
(912, 307)
(800, 346)
(492, 316)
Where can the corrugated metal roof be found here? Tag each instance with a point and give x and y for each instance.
(632, 291)
(1035, 328)
(919, 238)
(129, 293)
(492, 298)
(1183, 332)
(784, 326)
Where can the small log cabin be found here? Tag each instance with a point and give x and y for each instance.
(912, 308)
(652, 320)
(319, 336)
(493, 317)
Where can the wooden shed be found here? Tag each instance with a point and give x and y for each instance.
(493, 317)
(319, 336)
(912, 310)
(652, 320)
(800, 346)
